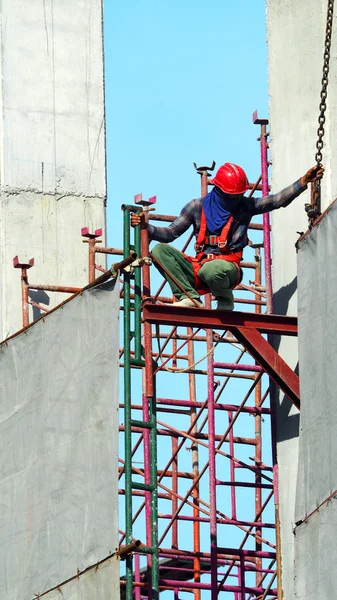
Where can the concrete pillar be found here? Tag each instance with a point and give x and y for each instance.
(52, 144)
(296, 32)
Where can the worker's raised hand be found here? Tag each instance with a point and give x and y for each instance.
(137, 219)
(315, 172)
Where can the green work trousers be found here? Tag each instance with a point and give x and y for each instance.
(220, 276)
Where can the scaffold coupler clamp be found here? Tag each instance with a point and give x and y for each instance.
(139, 262)
(124, 265)
(147, 260)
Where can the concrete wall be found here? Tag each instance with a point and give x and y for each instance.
(52, 143)
(295, 38)
(316, 507)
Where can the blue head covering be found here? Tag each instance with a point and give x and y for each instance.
(218, 208)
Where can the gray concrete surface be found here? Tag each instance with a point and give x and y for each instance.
(295, 38)
(316, 490)
(52, 134)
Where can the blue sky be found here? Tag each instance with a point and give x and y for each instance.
(183, 78)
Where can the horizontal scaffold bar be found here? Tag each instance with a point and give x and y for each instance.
(147, 487)
(142, 424)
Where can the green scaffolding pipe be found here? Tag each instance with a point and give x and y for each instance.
(127, 412)
(128, 208)
(138, 300)
(137, 363)
(135, 337)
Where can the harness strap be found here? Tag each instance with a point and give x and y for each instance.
(202, 230)
(200, 286)
(215, 240)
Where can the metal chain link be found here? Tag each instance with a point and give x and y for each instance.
(316, 195)
(325, 79)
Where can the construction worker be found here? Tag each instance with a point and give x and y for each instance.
(220, 222)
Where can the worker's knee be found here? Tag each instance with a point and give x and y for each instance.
(219, 272)
(160, 250)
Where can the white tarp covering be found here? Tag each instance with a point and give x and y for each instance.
(58, 437)
(315, 539)
(316, 555)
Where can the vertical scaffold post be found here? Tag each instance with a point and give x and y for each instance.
(92, 240)
(258, 438)
(266, 220)
(24, 287)
(204, 175)
(127, 412)
(195, 466)
(212, 464)
(269, 294)
(150, 432)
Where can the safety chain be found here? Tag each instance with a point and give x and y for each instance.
(322, 105)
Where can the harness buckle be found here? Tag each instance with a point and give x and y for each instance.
(199, 247)
(222, 245)
(212, 240)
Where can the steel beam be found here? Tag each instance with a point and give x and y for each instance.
(271, 361)
(218, 319)
(247, 328)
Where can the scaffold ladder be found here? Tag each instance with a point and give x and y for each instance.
(135, 356)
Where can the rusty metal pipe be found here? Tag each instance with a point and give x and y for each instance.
(91, 265)
(112, 272)
(24, 290)
(105, 250)
(125, 551)
(54, 288)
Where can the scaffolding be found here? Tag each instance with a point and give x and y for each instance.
(199, 469)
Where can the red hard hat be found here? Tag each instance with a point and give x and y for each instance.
(231, 179)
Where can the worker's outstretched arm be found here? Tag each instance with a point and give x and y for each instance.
(288, 194)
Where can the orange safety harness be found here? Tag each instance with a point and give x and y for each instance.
(212, 240)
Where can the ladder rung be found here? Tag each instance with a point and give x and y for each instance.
(137, 362)
(147, 487)
(142, 424)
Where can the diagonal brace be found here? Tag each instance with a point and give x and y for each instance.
(271, 361)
